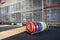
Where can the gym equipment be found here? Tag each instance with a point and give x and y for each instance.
(43, 26)
(39, 26)
(30, 27)
(36, 27)
(46, 26)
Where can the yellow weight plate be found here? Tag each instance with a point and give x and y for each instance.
(43, 26)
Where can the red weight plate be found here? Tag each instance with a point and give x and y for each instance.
(33, 26)
(30, 27)
(36, 27)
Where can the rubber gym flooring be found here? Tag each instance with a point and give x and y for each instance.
(51, 34)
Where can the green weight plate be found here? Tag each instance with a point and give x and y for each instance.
(47, 26)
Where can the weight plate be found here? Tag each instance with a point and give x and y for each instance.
(47, 26)
(39, 26)
(29, 27)
(36, 27)
(33, 26)
(43, 25)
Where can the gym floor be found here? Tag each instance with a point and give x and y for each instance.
(51, 34)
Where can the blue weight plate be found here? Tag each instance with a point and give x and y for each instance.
(39, 26)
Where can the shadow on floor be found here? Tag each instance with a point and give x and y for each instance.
(45, 35)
